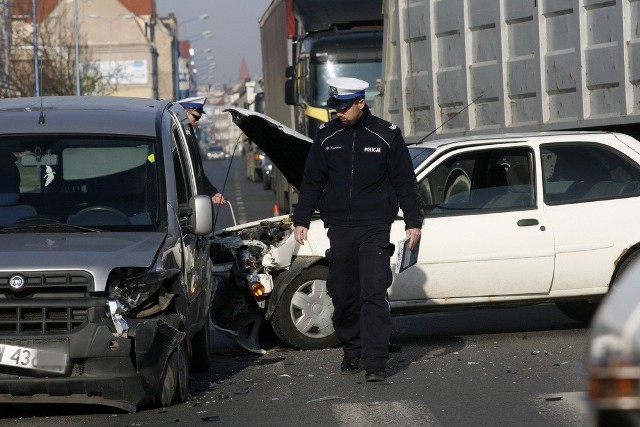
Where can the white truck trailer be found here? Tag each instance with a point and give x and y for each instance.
(458, 67)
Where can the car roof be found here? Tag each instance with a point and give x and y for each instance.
(82, 115)
(471, 140)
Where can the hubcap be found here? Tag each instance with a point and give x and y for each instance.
(312, 308)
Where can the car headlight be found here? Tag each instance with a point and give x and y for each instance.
(134, 287)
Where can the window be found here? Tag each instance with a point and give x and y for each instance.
(95, 181)
(582, 172)
(480, 181)
(182, 179)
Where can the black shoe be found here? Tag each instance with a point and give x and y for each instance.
(374, 374)
(349, 365)
(394, 348)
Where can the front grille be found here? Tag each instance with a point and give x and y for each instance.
(41, 319)
(60, 283)
(50, 302)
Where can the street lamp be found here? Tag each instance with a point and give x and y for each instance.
(201, 17)
(111, 21)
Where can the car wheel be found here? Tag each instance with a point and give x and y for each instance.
(302, 318)
(175, 380)
(201, 348)
(580, 311)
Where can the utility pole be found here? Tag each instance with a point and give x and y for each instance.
(6, 13)
(154, 54)
(36, 62)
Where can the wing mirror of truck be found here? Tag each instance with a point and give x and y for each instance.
(290, 87)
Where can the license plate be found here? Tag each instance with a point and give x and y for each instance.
(42, 356)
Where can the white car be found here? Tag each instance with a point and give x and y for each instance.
(614, 353)
(510, 219)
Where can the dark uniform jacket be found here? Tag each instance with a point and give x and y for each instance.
(358, 175)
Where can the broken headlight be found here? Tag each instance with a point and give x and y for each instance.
(134, 287)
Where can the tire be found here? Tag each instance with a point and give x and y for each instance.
(583, 311)
(302, 318)
(580, 311)
(201, 348)
(175, 379)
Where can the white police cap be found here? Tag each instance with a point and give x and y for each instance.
(344, 90)
(195, 102)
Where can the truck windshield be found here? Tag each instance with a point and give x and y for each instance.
(368, 71)
(109, 183)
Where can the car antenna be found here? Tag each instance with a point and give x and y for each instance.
(215, 220)
(473, 101)
(41, 118)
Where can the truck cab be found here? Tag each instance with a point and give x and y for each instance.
(356, 53)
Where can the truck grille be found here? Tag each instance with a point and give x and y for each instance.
(48, 303)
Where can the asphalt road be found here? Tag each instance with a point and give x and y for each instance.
(502, 367)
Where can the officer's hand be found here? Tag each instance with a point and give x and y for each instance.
(301, 234)
(218, 199)
(414, 237)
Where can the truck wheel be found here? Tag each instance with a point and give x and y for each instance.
(201, 348)
(175, 380)
(302, 318)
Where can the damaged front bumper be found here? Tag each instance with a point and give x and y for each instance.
(102, 366)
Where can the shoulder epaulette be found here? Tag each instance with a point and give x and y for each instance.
(387, 124)
(327, 124)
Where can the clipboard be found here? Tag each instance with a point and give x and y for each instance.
(406, 257)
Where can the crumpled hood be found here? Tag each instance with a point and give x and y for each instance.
(97, 253)
(286, 148)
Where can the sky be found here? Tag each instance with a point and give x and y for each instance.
(235, 29)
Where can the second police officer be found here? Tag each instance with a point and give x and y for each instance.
(357, 174)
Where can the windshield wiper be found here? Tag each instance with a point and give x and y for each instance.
(43, 228)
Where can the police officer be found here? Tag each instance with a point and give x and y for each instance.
(194, 107)
(357, 174)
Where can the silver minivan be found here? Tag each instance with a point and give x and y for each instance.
(105, 275)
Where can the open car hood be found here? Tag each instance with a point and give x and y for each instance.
(286, 148)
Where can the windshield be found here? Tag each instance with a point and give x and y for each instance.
(419, 155)
(368, 71)
(104, 183)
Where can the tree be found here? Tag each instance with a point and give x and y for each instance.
(56, 55)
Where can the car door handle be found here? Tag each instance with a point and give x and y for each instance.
(527, 222)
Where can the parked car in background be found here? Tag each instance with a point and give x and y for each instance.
(105, 275)
(614, 352)
(267, 173)
(510, 219)
(215, 152)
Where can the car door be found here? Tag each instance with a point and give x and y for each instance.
(592, 196)
(195, 248)
(484, 234)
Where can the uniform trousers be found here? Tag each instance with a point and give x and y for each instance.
(359, 275)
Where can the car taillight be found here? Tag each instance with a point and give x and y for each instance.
(609, 382)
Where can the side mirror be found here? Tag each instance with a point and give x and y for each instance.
(290, 92)
(201, 218)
